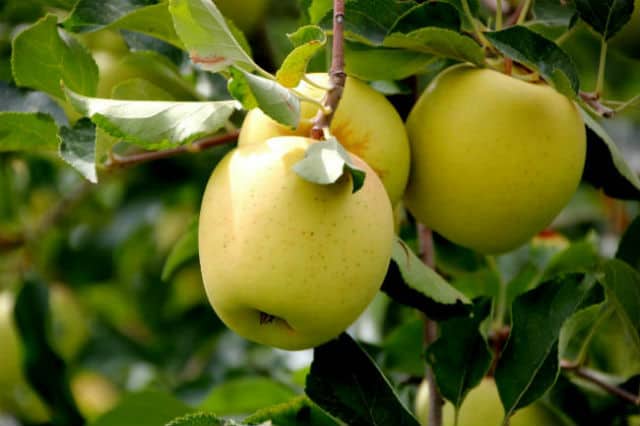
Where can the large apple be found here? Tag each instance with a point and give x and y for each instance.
(494, 158)
(482, 407)
(286, 262)
(364, 122)
(245, 14)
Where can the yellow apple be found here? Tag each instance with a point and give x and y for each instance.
(365, 123)
(494, 158)
(245, 14)
(482, 407)
(286, 262)
(628, 39)
(69, 333)
(94, 394)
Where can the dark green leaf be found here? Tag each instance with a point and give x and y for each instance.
(300, 411)
(346, 382)
(325, 162)
(577, 332)
(13, 99)
(540, 54)
(202, 419)
(607, 17)
(410, 282)
(528, 365)
(44, 368)
(553, 13)
(404, 349)
(185, 249)
(605, 166)
(78, 148)
(91, 15)
(460, 357)
(149, 408)
(245, 395)
(629, 247)
(428, 14)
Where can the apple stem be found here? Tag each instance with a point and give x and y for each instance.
(337, 75)
(427, 254)
(523, 12)
(601, 67)
(498, 15)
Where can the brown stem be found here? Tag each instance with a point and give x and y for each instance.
(590, 376)
(427, 254)
(593, 100)
(10, 242)
(117, 161)
(337, 75)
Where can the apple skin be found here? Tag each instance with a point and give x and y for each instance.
(494, 159)
(365, 123)
(245, 14)
(482, 407)
(312, 256)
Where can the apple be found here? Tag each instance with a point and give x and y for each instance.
(494, 158)
(365, 123)
(245, 14)
(94, 394)
(68, 334)
(482, 407)
(286, 262)
(628, 39)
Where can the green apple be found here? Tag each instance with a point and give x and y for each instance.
(628, 39)
(94, 394)
(286, 262)
(105, 40)
(482, 407)
(364, 122)
(494, 158)
(69, 332)
(245, 14)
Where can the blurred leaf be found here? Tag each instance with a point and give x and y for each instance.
(346, 382)
(44, 368)
(629, 247)
(606, 17)
(137, 88)
(410, 282)
(153, 122)
(300, 411)
(580, 256)
(202, 419)
(403, 348)
(272, 98)
(528, 365)
(78, 148)
(379, 63)
(429, 14)
(325, 162)
(41, 59)
(440, 42)
(578, 330)
(148, 408)
(553, 13)
(13, 99)
(460, 357)
(308, 41)
(185, 249)
(622, 284)
(206, 35)
(605, 167)
(21, 131)
(540, 54)
(245, 395)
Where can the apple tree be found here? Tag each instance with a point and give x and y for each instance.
(319, 212)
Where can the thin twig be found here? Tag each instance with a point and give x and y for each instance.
(117, 161)
(593, 101)
(590, 376)
(427, 254)
(337, 75)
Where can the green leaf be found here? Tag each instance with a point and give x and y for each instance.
(45, 370)
(474, 6)
(403, 348)
(325, 162)
(346, 382)
(13, 99)
(540, 54)
(529, 365)
(154, 21)
(581, 256)
(577, 332)
(245, 395)
(42, 58)
(410, 282)
(605, 166)
(150, 123)
(552, 13)
(78, 148)
(185, 249)
(300, 411)
(379, 63)
(21, 131)
(430, 14)
(440, 42)
(308, 40)
(460, 357)
(276, 101)
(606, 17)
(92, 15)
(206, 35)
(629, 247)
(138, 88)
(622, 284)
(202, 419)
(148, 408)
